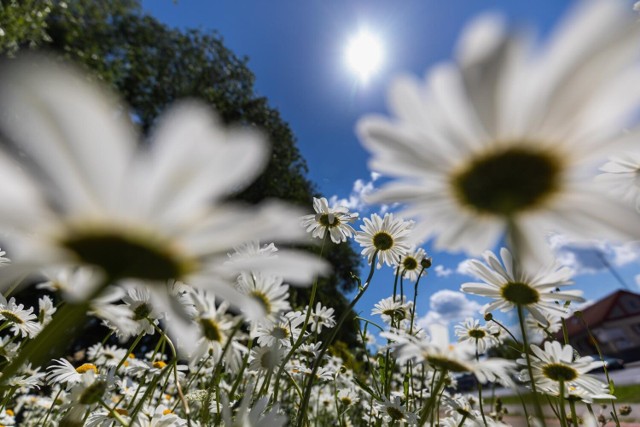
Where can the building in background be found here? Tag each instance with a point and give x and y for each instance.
(614, 322)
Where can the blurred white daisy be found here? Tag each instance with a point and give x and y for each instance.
(393, 310)
(388, 236)
(442, 356)
(268, 291)
(505, 140)
(79, 190)
(333, 220)
(510, 285)
(621, 177)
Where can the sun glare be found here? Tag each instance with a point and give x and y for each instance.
(364, 55)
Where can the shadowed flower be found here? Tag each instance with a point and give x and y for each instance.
(334, 221)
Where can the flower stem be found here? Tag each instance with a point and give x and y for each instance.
(327, 343)
(536, 401)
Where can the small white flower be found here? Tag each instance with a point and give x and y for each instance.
(23, 322)
(334, 221)
(483, 337)
(321, 317)
(388, 237)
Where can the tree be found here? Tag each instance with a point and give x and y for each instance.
(151, 65)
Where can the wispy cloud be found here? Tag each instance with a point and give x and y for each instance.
(442, 271)
(355, 200)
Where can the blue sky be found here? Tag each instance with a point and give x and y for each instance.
(296, 51)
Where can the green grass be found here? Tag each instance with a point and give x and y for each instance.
(624, 393)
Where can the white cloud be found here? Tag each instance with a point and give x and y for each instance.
(449, 306)
(355, 201)
(463, 268)
(593, 256)
(442, 271)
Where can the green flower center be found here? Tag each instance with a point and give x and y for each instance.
(269, 360)
(328, 220)
(443, 363)
(520, 293)
(477, 333)
(410, 263)
(395, 413)
(263, 300)
(397, 313)
(210, 329)
(280, 333)
(122, 255)
(382, 241)
(507, 182)
(93, 393)
(11, 317)
(141, 312)
(559, 372)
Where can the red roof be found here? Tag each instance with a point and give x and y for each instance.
(598, 312)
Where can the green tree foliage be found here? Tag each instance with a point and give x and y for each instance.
(151, 65)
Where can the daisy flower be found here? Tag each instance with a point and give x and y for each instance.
(412, 263)
(503, 140)
(321, 317)
(63, 372)
(393, 310)
(621, 177)
(283, 332)
(269, 291)
(22, 322)
(393, 411)
(459, 358)
(388, 236)
(79, 190)
(510, 286)
(334, 221)
(559, 363)
(265, 358)
(483, 337)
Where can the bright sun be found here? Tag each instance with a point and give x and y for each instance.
(364, 55)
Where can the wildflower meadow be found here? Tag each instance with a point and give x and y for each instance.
(488, 154)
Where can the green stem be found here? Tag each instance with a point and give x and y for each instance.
(484, 419)
(301, 336)
(327, 343)
(536, 401)
(563, 410)
(574, 414)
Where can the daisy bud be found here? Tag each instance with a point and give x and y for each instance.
(426, 262)
(488, 317)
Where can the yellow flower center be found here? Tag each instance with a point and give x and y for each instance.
(159, 364)
(86, 368)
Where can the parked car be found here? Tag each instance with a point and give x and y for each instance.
(612, 363)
